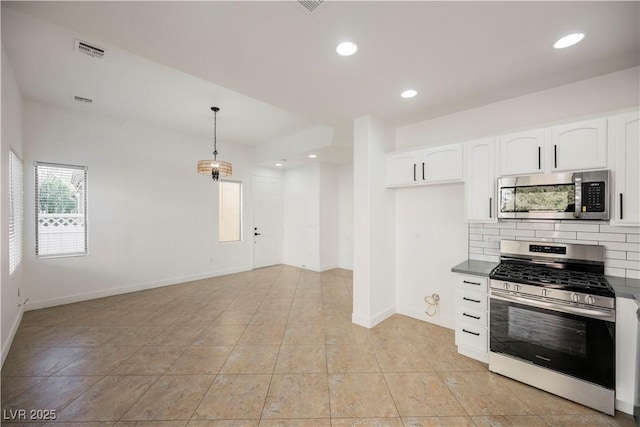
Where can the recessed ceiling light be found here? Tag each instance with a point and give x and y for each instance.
(569, 40)
(347, 48)
(312, 156)
(410, 93)
(279, 164)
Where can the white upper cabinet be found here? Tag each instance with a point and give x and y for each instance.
(426, 166)
(522, 152)
(626, 169)
(480, 180)
(443, 164)
(575, 146)
(401, 168)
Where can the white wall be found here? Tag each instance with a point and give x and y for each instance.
(374, 224)
(434, 214)
(11, 124)
(301, 202)
(152, 218)
(345, 216)
(329, 209)
(431, 237)
(601, 94)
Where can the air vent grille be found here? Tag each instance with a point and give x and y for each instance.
(83, 100)
(91, 50)
(310, 5)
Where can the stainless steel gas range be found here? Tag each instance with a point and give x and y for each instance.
(552, 320)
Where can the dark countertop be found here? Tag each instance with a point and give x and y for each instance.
(624, 288)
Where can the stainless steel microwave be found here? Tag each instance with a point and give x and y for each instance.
(564, 195)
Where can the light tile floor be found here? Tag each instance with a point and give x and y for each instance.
(270, 347)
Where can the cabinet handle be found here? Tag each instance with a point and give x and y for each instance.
(490, 210)
(414, 172)
(621, 217)
(539, 157)
(473, 317)
(472, 333)
(555, 156)
(423, 178)
(471, 283)
(472, 300)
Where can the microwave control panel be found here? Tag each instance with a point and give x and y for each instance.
(593, 195)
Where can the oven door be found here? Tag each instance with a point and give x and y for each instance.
(576, 341)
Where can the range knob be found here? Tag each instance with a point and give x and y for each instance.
(575, 297)
(589, 299)
(516, 288)
(545, 292)
(506, 286)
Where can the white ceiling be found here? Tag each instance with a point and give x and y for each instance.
(272, 66)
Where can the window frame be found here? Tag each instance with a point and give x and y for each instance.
(16, 224)
(85, 205)
(240, 212)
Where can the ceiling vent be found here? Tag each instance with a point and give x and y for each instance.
(310, 5)
(88, 49)
(83, 100)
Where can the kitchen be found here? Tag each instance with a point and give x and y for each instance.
(414, 245)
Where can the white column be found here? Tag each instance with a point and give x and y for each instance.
(374, 224)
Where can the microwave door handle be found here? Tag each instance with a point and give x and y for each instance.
(578, 202)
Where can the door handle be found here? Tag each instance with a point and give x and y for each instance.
(555, 156)
(621, 216)
(539, 157)
(423, 171)
(414, 172)
(256, 234)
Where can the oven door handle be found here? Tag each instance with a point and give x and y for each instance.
(600, 314)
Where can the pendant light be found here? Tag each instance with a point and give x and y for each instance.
(216, 168)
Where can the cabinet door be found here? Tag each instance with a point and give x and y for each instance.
(442, 164)
(401, 169)
(626, 193)
(581, 145)
(522, 153)
(480, 180)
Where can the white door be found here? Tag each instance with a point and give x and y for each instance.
(626, 197)
(267, 221)
(580, 145)
(480, 180)
(442, 164)
(521, 152)
(401, 169)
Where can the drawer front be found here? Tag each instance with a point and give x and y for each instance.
(473, 300)
(473, 283)
(473, 317)
(472, 336)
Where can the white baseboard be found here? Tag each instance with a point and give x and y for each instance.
(373, 321)
(625, 407)
(439, 320)
(328, 267)
(6, 346)
(37, 304)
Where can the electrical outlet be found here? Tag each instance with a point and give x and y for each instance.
(489, 239)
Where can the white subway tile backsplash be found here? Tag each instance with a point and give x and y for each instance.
(615, 229)
(521, 233)
(614, 246)
(500, 225)
(618, 263)
(603, 237)
(535, 226)
(618, 272)
(622, 256)
(615, 254)
(556, 234)
(633, 274)
(593, 228)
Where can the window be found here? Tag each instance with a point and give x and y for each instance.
(230, 211)
(15, 211)
(61, 210)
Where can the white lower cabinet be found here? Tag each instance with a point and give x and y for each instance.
(626, 336)
(472, 316)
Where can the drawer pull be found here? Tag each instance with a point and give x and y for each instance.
(473, 317)
(472, 300)
(472, 333)
(471, 283)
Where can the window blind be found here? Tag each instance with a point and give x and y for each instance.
(61, 210)
(15, 211)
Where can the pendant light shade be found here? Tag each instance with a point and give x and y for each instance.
(215, 168)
